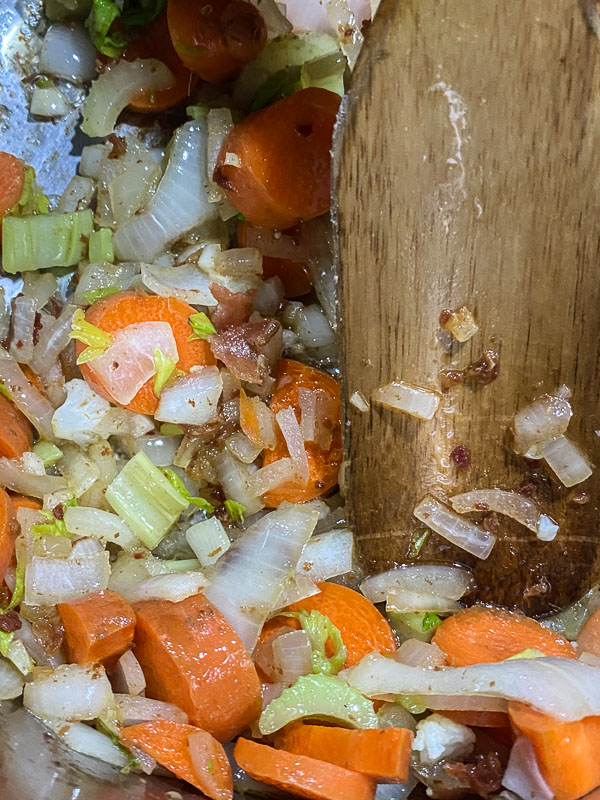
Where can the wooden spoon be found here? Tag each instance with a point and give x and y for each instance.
(466, 173)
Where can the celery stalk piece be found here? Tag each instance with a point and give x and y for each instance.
(181, 565)
(409, 624)
(47, 240)
(326, 72)
(48, 452)
(318, 697)
(144, 498)
(208, 540)
(100, 246)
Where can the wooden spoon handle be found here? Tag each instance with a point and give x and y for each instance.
(466, 174)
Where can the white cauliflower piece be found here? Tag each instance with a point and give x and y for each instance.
(438, 738)
(83, 409)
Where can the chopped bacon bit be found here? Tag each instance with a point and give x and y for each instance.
(462, 456)
(234, 308)
(58, 512)
(10, 622)
(484, 777)
(240, 348)
(37, 327)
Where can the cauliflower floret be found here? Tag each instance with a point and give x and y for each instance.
(438, 738)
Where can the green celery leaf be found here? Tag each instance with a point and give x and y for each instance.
(235, 510)
(320, 629)
(180, 487)
(202, 327)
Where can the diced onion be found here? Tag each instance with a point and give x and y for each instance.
(121, 422)
(11, 681)
(32, 463)
(566, 460)
(359, 401)
(289, 427)
(77, 417)
(192, 399)
(77, 196)
(107, 527)
(23, 317)
(413, 400)
(173, 586)
(274, 17)
(545, 418)
(49, 581)
(292, 655)
(67, 52)
(460, 323)
(161, 450)
(402, 601)
(420, 654)
(39, 286)
(103, 275)
(327, 555)
(219, 124)
(127, 676)
(187, 283)
(53, 340)
(91, 156)
(208, 540)
(269, 296)
(68, 692)
(240, 446)
(13, 476)
(522, 774)
(48, 102)
(263, 432)
(460, 532)
(25, 396)
(512, 504)
(562, 687)
(235, 481)
(179, 204)
(135, 710)
(436, 579)
(312, 328)
(112, 91)
(297, 588)
(272, 476)
(467, 702)
(247, 582)
(91, 742)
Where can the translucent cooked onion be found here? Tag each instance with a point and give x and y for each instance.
(22, 320)
(127, 676)
(247, 581)
(11, 681)
(460, 323)
(91, 742)
(413, 400)
(219, 124)
(91, 156)
(173, 586)
(25, 396)
(562, 687)
(566, 460)
(13, 476)
(49, 581)
(240, 446)
(289, 427)
(259, 424)
(327, 555)
(39, 286)
(81, 412)
(460, 532)
(235, 479)
(312, 328)
(67, 52)
(179, 204)
(297, 588)
(161, 450)
(402, 601)
(187, 283)
(448, 581)
(420, 654)
(448, 702)
(272, 476)
(103, 275)
(269, 297)
(511, 504)
(192, 399)
(70, 692)
(48, 102)
(545, 418)
(77, 196)
(292, 655)
(135, 710)
(112, 91)
(108, 527)
(522, 775)
(53, 340)
(274, 17)
(359, 401)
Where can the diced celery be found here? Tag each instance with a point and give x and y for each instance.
(145, 499)
(100, 246)
(182, 565)
(320, 630)
(409, 624)
(318, 697)
(208, 540)
(47, 240)
(325, 72)
(170, 429)
(48, 452)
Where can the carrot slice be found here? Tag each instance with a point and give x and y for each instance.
(16, 433)
(193, 658)
(284, 153)
(301, 775)
(97, 627)
(127, 308)
(323, 465)
(22, 501)
(478, 719)
(362, 627)
(215, 39)
(12, 181)
(481, 634)
(381, 754)
(168, 743)
(9, 530)
(155, 42)
(567, 752)
(588, 640)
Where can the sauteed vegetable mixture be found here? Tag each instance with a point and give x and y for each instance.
(178, 582)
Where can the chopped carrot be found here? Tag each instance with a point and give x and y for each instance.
(155, 42)
(324, 465)
(294, 275)
(9, 530)
(215, 39)
(127, 308)
(169, 743)
(12, 181)
(478, 719)
(193, 658)
(16, 433)
(588, 640)
(481, 634)
(301, 775)
(381, 754)
(567, 752)
(362, 627)
(22, 501)
(284, 152)
(98, 627)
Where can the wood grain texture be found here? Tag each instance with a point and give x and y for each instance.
(466, 173)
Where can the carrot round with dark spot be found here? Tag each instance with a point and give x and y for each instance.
(9, 530)
(283, 154)
(16, 433)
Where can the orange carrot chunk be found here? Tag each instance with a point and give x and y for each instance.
(128, 308)
(9, 530)
(97, 627)
(284, 151)
(22, 501)
(324, 465)
(16, 433)
(482, 634)
(170, 744)
(588, 640)
(381, 754)
(215, 39)
(361, 625)
(12, 181)
(478, 719)
(193, 658)
(567, 752)
(301, 775)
